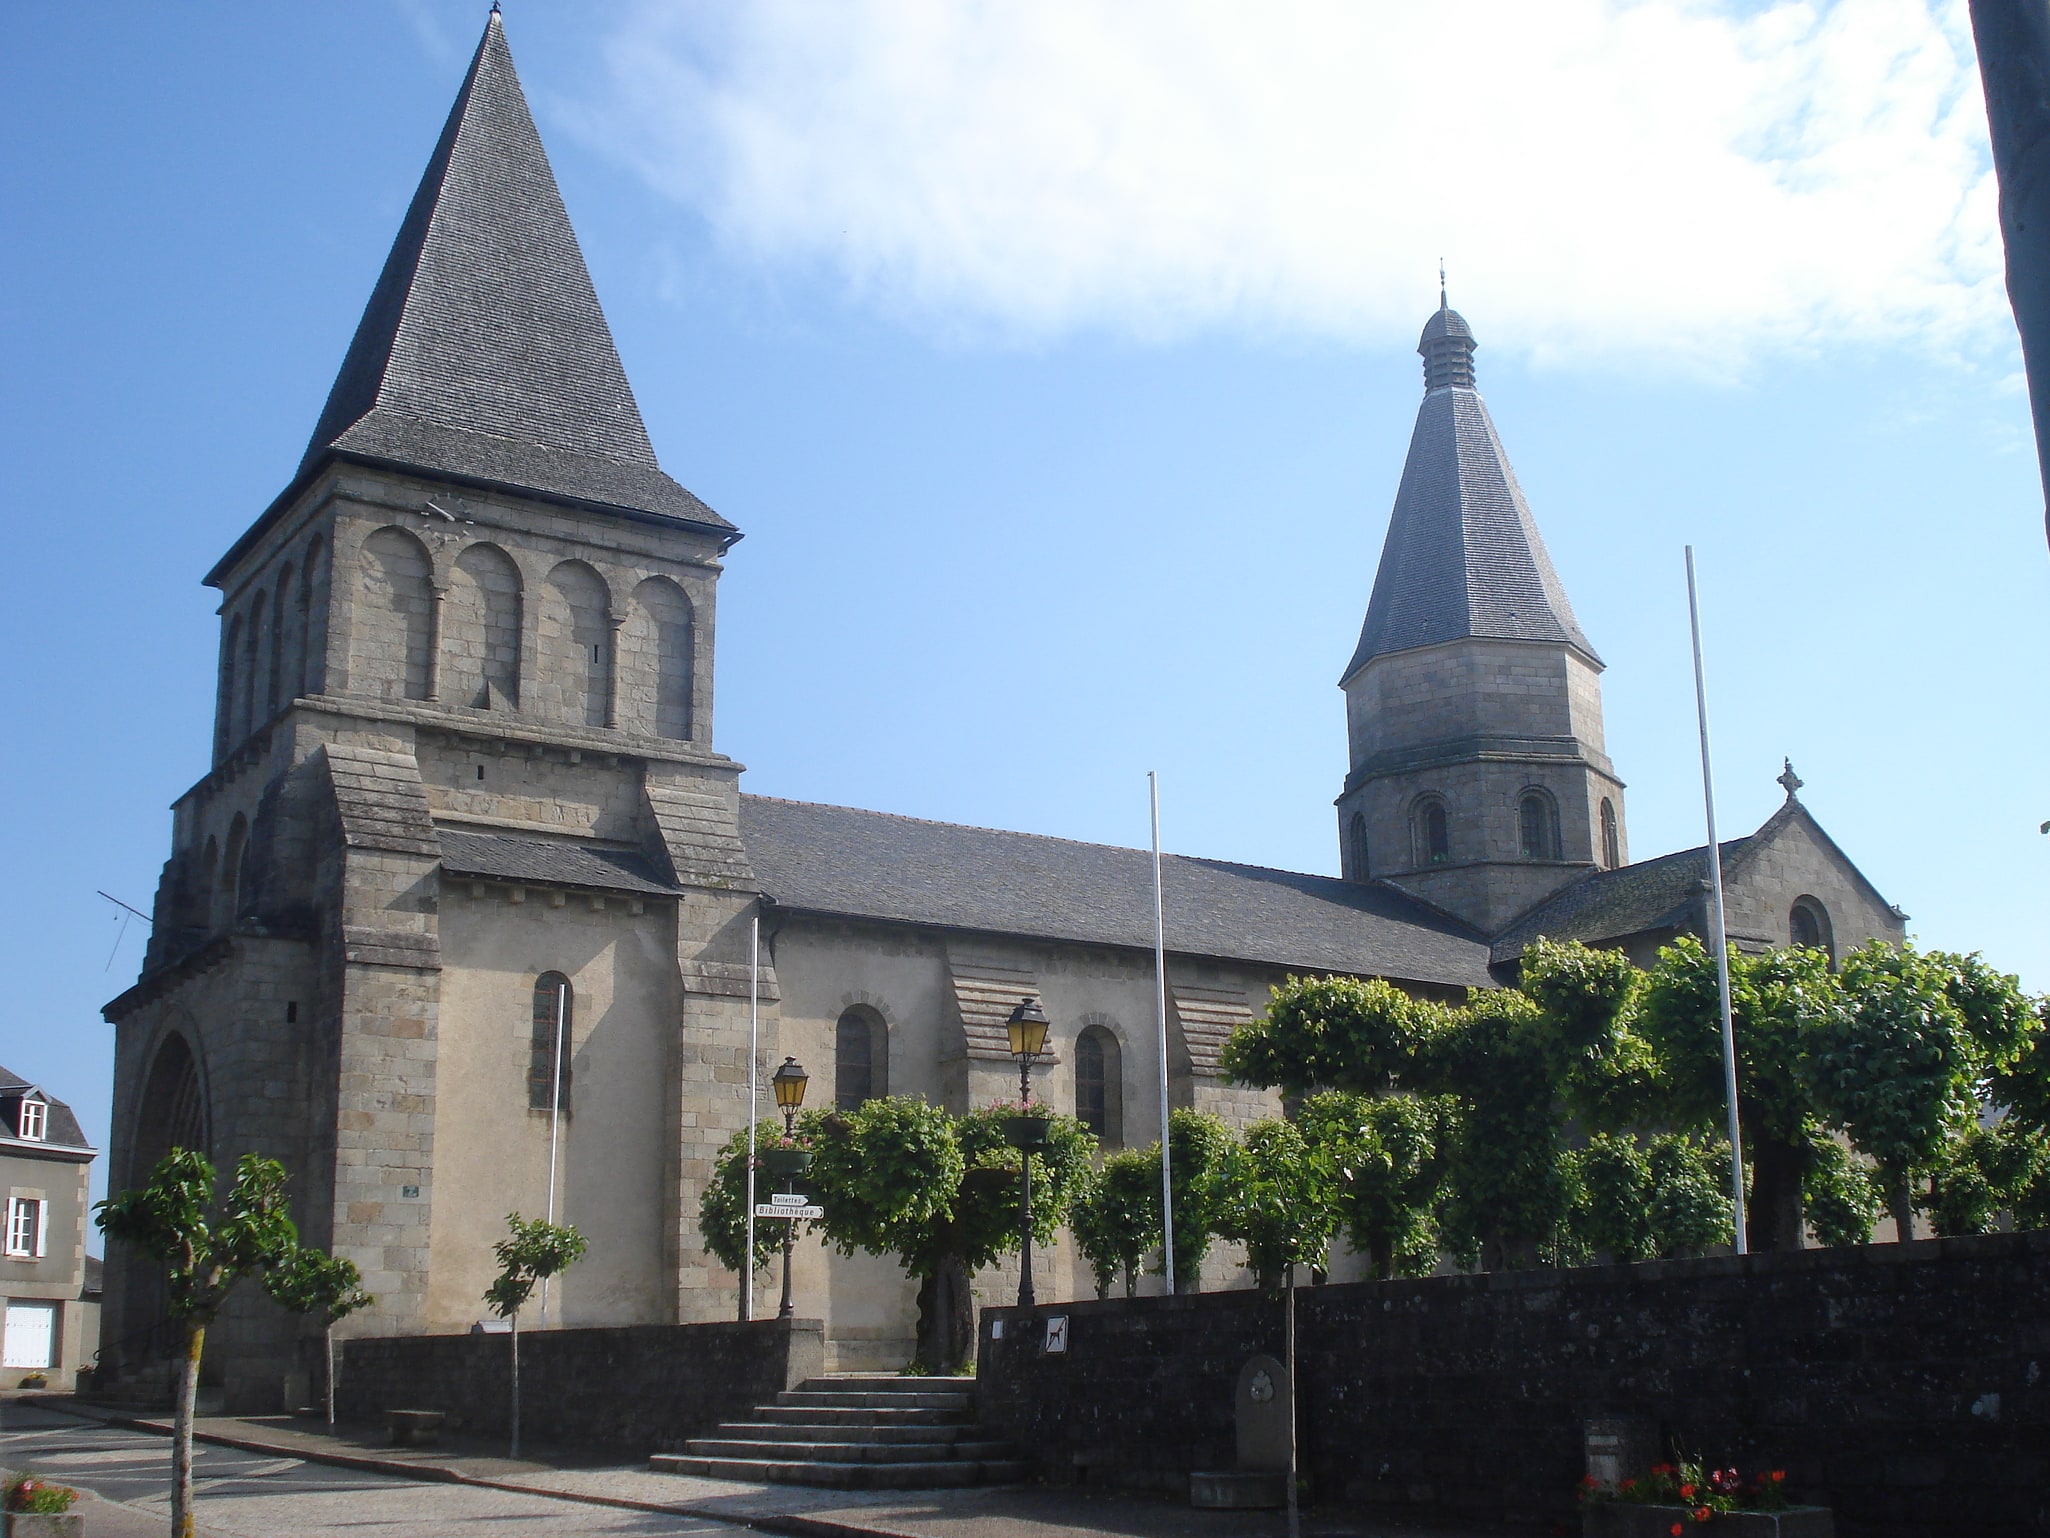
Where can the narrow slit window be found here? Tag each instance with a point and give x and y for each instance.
(554, 1017)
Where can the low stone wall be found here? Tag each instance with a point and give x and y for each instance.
(637, 1389)
(1906, 1385)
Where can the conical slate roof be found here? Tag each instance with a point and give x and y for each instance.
(1463, 555)
(483, 352)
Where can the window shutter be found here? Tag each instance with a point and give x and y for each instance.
(42, 1229)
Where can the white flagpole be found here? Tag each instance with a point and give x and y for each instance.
(1722, 935)
(555, 1116)
(1160, 1005)
(754, 1041)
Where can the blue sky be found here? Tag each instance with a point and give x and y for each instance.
(1059, 366)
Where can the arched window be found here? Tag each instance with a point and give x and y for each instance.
(203, 887)
(173, 1109)
(310, 672)
(1429, 832)
(230, 880)
(1538, 826)
(554, 1018)
(1612, 836)
(1356, 847)
(861, 1058)
(654, 677)
(274, 678)
(248, 706)
(1100, 1085)
(1808, 925)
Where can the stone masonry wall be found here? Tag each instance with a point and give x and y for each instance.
(1907, 1386)
(637, 1389)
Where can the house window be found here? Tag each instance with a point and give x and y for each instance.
(1429, 832)
(1538, 827)
(554, 1015)
(1099, 1085)
(35, 1120)
(1612, 838)
(860, 1058)
(1809, 925)
(25, 1236)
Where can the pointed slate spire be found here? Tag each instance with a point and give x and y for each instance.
(1463, 555)
(483, 352)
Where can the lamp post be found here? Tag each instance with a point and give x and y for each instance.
(1027, 1026)
(788, 1083)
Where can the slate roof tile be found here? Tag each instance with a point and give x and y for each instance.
(545, 862)
(835, 859)
(60, 1129)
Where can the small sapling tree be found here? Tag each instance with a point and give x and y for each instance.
(205, 1255)
(326, 1286)
(532, 1251)
(1280, 1200)
(722, 1211)
(1389, 1162)
(1197, 1144)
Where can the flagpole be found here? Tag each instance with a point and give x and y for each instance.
(754, 1042)
(1721, 928)
(1160, 1008)
(555, 1115)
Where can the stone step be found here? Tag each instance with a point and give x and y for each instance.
(813, 1431)
(847, 1452)
(862, 1399)
(952, 1475)
(888, 1383)
(848, 1415)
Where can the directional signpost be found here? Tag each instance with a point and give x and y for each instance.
(788, 1204)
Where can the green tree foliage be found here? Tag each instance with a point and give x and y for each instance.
(1280, 1200)
(1612, 1209)
(1388, 1158)
(532, 1251)
(1838, 1195)
(1116, 1217)
(1198, 1144)
(1653, 1198)
(1900, 1068)
(1690, 1195)
(327, 1287)
(1329, 1033)
(900, 1177)
(722, 1210)
(1781, 1003)
(205, 1254)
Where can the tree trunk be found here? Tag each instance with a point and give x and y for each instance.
(1773, 1218)
(328, 1335)
(1381, 1253)
(181, 1433)
(514, 1339)
(946, 1317)
(1131, 1281)
(1900, 1200)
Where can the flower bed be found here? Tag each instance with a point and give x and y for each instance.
(1673, 1498)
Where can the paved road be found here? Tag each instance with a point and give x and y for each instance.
(252, 1495)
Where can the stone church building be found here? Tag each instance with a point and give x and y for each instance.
(465, 777)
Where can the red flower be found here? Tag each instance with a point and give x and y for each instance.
(1702, 1513)
(1676, 1530)
(1777, 1475)
(1686, 1492)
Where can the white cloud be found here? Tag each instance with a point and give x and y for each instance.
(1669, 179)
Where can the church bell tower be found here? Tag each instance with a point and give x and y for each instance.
(1478, 777)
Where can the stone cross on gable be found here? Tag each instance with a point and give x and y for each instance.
(1789, 780)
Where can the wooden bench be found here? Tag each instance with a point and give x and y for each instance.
(414, 1428)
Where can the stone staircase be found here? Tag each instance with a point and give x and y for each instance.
(857, 1431)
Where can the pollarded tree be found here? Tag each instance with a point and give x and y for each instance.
(1902, 1067)
(900, 1177)
(1388, 1154)
(205, 1258)
(1342, 1033)
(1838, 1195)
(1116, 1217)
(1198, 1144)
(722, 1210)
(1280, 1200)
(328, 1287)
(1781, 1004)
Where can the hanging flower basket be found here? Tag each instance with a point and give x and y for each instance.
(786, 1161)
(1025, 1131)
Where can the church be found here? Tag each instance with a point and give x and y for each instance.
(465, 801)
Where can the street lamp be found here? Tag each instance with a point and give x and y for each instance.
(788, 1082)
(1027, 1026)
